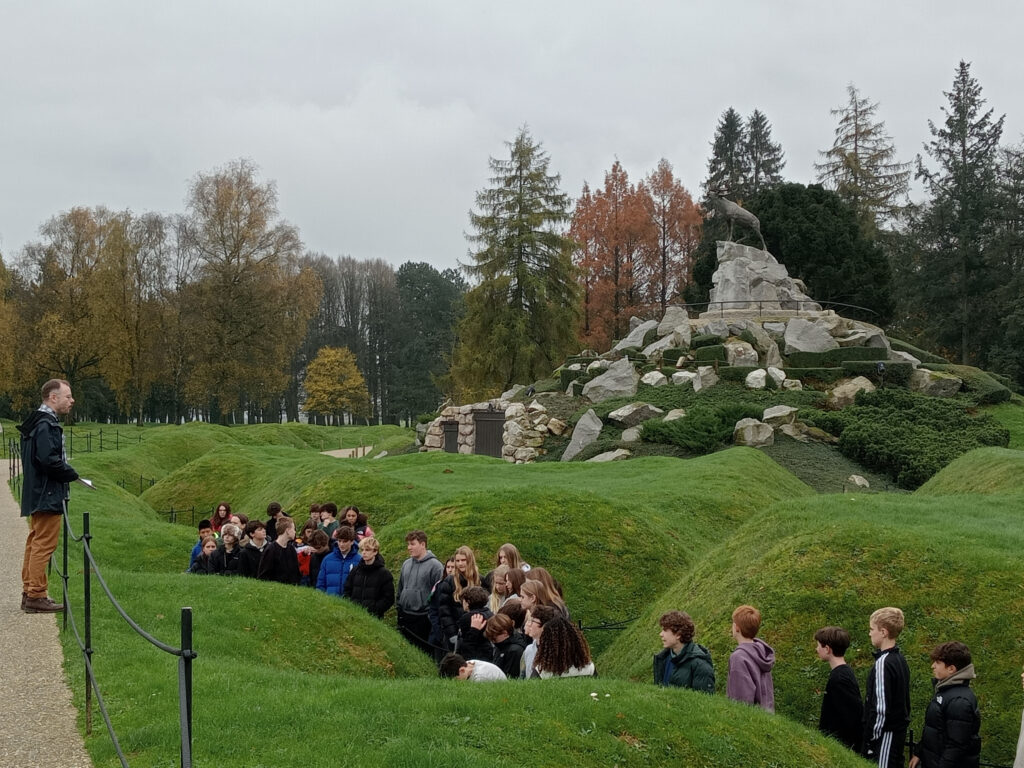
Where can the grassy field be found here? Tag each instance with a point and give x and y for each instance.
(290, 677)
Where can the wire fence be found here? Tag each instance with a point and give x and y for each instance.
(84, 442)
(769, 306)
(84, 637)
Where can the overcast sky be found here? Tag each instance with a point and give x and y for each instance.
(376, 120)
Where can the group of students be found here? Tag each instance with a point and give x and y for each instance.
(875, 727)
(513, 622)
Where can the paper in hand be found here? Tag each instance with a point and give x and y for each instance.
(87, 483)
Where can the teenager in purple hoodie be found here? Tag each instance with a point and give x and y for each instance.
(750, 665)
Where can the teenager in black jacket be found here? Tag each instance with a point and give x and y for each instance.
(951, 722)
(370, 584)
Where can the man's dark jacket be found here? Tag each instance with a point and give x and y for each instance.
(46, 473)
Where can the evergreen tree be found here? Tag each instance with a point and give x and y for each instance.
(727, 166)
(521, 318)
(861, 164)
(763, 158)
(955, 228)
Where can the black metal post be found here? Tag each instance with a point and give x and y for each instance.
(187, 655)
(101, 441)
(87, 600)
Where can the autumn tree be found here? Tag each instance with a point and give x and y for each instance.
(614, 230)
(254, 300)
(334, 386)
(521, 317)
(8, 331)
(676, 229)
(956, 277)
(763, 158)
(861, 165)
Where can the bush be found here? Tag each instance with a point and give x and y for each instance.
(706, 340)
(703, 430)
(897, 374)
(979, 386)
(736, 372)
(834, 357)
(908, 436)
(672, 354)
(920, 354)
(426, 418)
(549, 385)
(818, 378)
(565, 376)
(710, 353)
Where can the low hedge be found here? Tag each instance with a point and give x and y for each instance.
(920, 354)
(834, 358)
(735, 372)
(565, 376)
(897, 374)
(822, 376)
(710, 353)
(979, 386)
(905, 435)
(705, 340)
(672, 354)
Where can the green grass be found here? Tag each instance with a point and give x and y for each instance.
(1011, 416)
(823, 467)
(952, 565)
(630, 539)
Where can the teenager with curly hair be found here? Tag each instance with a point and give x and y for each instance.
(563, 651)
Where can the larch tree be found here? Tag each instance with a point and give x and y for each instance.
(521, 317)
(676, 227)
(335, 386)
(763, 158)
(861, 165)
(959, 221)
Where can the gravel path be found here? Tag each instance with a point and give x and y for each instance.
(38, 717)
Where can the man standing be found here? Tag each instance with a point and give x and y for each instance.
(44, 491)
(420, 572)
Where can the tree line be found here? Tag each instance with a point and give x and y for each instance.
(218, 311)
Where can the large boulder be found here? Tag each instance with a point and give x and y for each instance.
(599, 365)
(617, 455)
(631, 435)
(845, 391)
(674, 317)
(635, 338)
(585, 432)
(686, 378)
(805, 336)
(750, 278)
(740, 353)
(706, 376)
(654, 350)
(778, 415)
(934, 383)
(777, 375)
(715, 326)
(634, 413)
(557, 426)
(899, 356)
(654, 379)
(756, 379)
(753, 433)
(515, 390)
(619, 380)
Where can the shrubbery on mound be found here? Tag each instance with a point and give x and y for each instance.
(703, 430)
(910, 437)
(983, 470)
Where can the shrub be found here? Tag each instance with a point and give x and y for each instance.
(710, 353)
(565, 376)
(834, 357)
(897, 374)
(703, 430)
(817, 378)
(551, 385)
(908, 436)
(672, 354)
(979, 386)
(705, 340)
(426, 418)
(920, 354)
(649, 338)
(735, 372)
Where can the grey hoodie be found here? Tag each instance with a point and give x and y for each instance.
(415, 581)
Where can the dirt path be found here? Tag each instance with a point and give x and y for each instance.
(35, 701)
(348, 453)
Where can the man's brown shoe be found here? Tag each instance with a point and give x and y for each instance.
(41, 605)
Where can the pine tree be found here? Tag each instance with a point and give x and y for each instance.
(521, 318)
(763, 158)
(861, 164)
(727, 166)
(959, 220)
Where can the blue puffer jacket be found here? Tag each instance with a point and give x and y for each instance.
(334, 570)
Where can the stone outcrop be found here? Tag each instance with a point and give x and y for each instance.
(935, 383)
(583, 434)
(753, 433)
(617, 455)
(620, 380)
(654, 379)
(635, 338)
(675, 316)
(750, 278)
(778, 415)
(740, 353)
(634, 413)
(806, 336)
(844, 392)
(756, 379)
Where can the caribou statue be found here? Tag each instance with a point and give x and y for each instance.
(732, 213)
